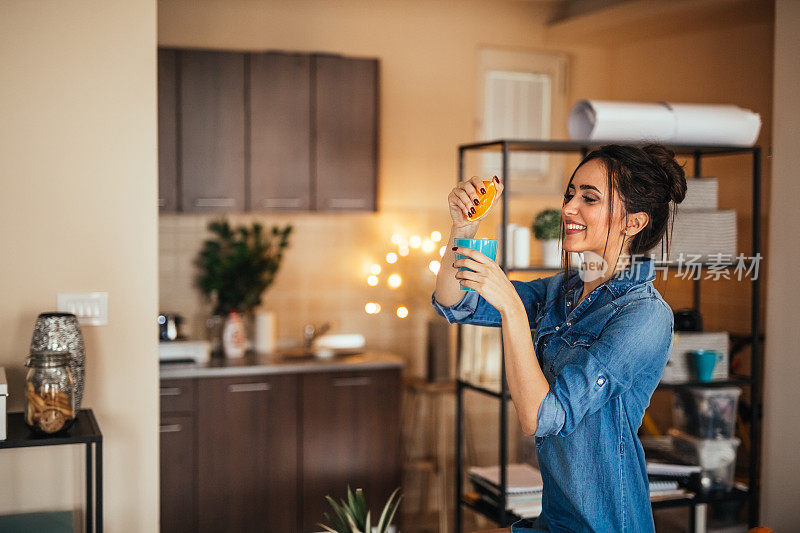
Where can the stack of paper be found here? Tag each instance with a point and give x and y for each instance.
(700, 235)
(523, 487)
(701, 193)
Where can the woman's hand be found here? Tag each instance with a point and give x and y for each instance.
(463, 199)
(488, 279)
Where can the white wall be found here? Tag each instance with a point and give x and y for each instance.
(781, 465)
(78, 212)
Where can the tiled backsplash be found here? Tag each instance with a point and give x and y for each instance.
(323, 276)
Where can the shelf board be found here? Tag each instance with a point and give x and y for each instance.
(491, 512)
(732, 381)
(520, 145)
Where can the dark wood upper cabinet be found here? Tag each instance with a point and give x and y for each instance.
(346, 132)
(212, 129)
(280, 132)
(351, 436)
(167, 131)
(247, 453)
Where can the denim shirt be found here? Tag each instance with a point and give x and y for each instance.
(603, 358)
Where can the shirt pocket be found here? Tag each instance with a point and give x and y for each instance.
(574, 338)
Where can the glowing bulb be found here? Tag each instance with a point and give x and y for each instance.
(404, 251)
(436, 236)
(434, 266)
(391, 257)
(372, 308)
(372, 281)
(402, 312)
(442, 250)
(375, 269)
(396, 238)
(428, 246)
(415, 241)
(395, 280)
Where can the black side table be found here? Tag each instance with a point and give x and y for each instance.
(84, 431)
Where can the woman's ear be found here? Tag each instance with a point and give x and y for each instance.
(636, 223)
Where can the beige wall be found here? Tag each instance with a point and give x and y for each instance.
(781, 465)
(78, 152)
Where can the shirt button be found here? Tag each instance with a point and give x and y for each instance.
(569, 323)
(601, 381)
(557, 327)
(589, 298)
(569, 303)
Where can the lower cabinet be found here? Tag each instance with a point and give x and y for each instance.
(260, 453)
(247, 453)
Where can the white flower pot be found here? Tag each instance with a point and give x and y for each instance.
(551, 253)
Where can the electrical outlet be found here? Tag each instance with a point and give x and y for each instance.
(91, 308)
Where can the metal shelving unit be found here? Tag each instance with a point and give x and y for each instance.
(500, 515)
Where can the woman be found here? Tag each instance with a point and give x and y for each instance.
(603, 335)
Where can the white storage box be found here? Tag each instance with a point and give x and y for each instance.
(680, 367)
(716, 457)
(3, 395)
(701, 193)
(703, 233)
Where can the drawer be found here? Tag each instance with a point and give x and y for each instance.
(177, 395)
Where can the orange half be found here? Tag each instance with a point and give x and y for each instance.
(485, 202)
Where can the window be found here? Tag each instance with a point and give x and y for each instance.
(523, 97)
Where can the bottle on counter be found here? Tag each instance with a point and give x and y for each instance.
(234, 337)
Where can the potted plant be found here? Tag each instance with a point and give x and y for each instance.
(353, 515)
(236, 266)
(547, 229)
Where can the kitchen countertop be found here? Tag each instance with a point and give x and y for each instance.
(278, 363)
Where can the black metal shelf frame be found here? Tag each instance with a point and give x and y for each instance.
(500, 515)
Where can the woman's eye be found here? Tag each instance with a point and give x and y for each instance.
(568, 197)
(589, 199)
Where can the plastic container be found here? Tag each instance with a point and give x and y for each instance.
(706, 413)
(716, 458)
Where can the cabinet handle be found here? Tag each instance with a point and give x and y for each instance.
(352, 382)
(347, 203)
(170, 428)
(162, 202)
(171, 391)
(214, 202)
(282, 202)
(249, 387)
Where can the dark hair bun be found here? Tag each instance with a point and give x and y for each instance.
(664, 158)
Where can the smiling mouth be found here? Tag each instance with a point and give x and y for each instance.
(574, 228)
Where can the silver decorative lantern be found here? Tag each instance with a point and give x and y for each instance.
(61, 332)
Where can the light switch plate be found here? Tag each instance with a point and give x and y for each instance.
(91, 308)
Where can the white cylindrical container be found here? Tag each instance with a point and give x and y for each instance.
(266, 331)
(507, 248)
(522, 247)
(3, 394)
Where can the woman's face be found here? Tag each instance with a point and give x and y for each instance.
(585, 214)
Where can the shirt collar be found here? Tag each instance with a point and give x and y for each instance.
(641, 270)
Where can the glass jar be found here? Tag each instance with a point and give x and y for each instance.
(49, 391)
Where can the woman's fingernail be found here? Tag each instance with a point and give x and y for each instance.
(476, 202)
(455, 248)
(496, 179)
(472, 210)
(483, 191)
(454, 265)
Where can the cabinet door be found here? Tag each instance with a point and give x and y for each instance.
(351, 435)
(167, 131)
(247, 453)
(178, 496)
(346, 126)
(212, 131)
(280, 132)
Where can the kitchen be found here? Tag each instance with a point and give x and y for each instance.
(80, 147)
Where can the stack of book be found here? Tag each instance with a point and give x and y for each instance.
(523, 488)
(669, 478)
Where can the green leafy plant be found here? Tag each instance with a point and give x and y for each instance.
(238, 264)
(353, 515)
(547, 225)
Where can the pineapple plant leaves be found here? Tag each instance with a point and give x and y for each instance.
(352, 515)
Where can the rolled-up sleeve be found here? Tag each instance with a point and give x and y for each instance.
(474, 309)
(634, 343)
